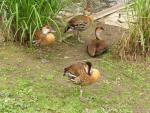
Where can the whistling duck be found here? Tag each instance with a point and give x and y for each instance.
(80, 22)
(97, 46)
(82, 73)
(44, 36)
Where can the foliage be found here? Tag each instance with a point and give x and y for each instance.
(138, 41)
(23, 17)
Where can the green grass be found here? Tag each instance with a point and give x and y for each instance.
(29, 86)
(23, 17)
(138, 41)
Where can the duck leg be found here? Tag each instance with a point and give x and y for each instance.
(81, 92)
(78, 36)
(82, 99)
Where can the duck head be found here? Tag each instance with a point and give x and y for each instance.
(88, 67)
(47, 29)
(87, 10)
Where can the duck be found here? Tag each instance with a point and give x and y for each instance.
(82, 74)
(44, 36)
(97, 46)
(80, 23)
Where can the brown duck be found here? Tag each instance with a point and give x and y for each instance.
(97, 46)
(80, 22)
(44, 36)
(82, 73)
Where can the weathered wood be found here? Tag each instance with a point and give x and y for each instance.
(102, 13)
(108, 11)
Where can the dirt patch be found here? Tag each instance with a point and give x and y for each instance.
(62, 53)
(59, 55)
(41, 69)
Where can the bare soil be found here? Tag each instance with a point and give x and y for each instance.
(122, 87)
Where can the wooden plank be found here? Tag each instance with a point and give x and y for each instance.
(105, 12)
(108, 11)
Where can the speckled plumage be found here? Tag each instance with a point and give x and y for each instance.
(79, 72)
(80, 23)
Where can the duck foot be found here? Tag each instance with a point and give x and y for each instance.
(87, 110)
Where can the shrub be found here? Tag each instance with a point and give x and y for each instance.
(138, 42)
(23, 17)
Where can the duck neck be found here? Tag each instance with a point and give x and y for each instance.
(97, 35)
(89, 67)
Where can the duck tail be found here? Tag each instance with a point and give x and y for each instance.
(66, 29)
(36, 42)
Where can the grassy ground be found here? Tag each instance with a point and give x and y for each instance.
(31, 81)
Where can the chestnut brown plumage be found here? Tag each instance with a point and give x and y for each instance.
(80, 22)
(97, 46)
(44, 36)
(82, 73)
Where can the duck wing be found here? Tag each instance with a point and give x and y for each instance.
(91, 48)
(79, 22)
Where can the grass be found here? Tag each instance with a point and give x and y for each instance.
(23, 17)
(138, 41)
(40, 87)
